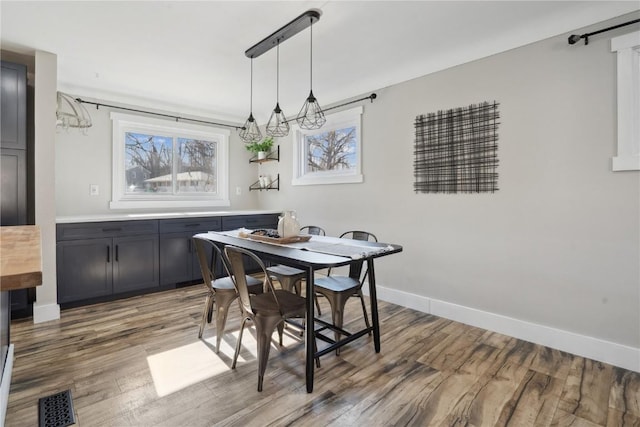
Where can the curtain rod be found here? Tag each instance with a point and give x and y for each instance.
(100, 104)
(574, 38)
(371, 97)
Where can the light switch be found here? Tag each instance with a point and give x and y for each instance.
(238, 191)
(94, 190)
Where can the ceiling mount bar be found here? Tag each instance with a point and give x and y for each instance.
(287, 31)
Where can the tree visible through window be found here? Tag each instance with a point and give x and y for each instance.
(331, 154)
(157, 163)
(332, 150)
(150, 165)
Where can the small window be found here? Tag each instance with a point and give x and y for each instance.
(163, 164)
(331, 154)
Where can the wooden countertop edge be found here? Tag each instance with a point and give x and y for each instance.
(21, 281)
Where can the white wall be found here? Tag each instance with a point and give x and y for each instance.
(46, 306)
(85, 159)
(558, 245)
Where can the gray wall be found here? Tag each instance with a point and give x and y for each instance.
(85, 159)
(557, 245)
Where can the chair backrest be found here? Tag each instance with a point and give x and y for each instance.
(355, 268)
(313, 229)
(359, 235)
(236, 256)
(207, 253)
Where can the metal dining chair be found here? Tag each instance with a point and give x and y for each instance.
(222, 290)
(267, 311)
(291, 278)
(338, 289)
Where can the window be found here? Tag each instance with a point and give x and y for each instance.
(331, 154)
(165, 164)
(627, 48)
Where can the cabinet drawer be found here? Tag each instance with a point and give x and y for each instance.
(197, 225)
(91, 230)
(250, 221)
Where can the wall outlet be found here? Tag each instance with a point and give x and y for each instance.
(94, 190)
(238, 191)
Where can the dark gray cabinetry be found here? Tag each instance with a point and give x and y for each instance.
(13, 166)
(178, 260)
(251, 222)
(106, 258)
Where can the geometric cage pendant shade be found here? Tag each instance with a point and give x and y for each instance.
(311, 115)
(250, 133)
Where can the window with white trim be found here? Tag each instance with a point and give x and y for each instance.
(627, 48)
(164, 164)
(331, 154)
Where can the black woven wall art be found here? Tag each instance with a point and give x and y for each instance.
(456, 151)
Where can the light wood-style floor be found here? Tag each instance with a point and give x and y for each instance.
(139, 362)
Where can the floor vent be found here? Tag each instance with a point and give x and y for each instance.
(56, 410)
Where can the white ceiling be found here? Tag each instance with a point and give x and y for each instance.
(188, 57)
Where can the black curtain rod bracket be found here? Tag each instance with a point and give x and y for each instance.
(177, 118)
(575, 38)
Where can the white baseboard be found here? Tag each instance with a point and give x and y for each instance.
(582, 345)
(45, 312)
(5, 384)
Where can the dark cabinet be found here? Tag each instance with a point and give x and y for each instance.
(178, 260)
(13, 164)
(108, 258)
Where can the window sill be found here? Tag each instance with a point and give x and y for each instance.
(160, 204)
(626, 163)
(335, 179)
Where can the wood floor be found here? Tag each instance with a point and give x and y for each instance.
(138, 362)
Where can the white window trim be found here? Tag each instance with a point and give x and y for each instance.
(124, 122)
(627, 48)
(334, 121)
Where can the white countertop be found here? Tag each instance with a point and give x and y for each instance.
(163, 215)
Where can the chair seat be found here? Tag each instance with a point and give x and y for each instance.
(336, 283)
(225, 283)
(284, 270)
(265, 304)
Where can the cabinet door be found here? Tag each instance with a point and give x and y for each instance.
(13, 105)
(13, 196)
(135, 263)
(84, 269)
(176, 258)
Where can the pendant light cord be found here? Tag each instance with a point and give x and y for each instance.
(251, 90)
(311, 55)
(278, 73)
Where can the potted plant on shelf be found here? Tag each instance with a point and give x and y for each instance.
(261, 148)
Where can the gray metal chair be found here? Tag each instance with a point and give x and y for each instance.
(291, 278)
(338, 289)
(221, 290)
(267, 311)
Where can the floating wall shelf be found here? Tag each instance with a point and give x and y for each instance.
(273, 155)
(274, 185)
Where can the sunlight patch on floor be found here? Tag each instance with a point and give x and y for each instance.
(181, 367)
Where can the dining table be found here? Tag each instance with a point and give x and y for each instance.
(316, 253)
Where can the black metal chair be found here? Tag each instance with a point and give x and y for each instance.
(221, 291)
(338, 289)
(267, 311)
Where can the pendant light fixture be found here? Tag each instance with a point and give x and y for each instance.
(250, 133)
(311, 115)
(277, 125)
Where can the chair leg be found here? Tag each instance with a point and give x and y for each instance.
(280, 331)
(208, 305)
(264, 328)
(239, 343)
(364, 310)
(315, 297)
(224, 300)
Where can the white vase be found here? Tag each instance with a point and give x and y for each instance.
(288, 226)
(262, 155)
